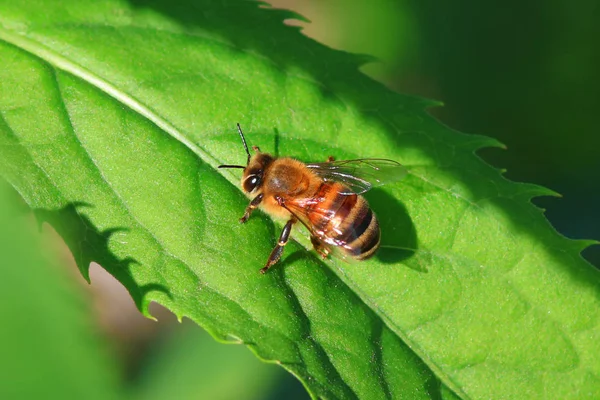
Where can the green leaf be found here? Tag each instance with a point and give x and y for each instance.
(114, 117)
(48, 349)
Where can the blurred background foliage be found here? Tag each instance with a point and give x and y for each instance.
(525, 72)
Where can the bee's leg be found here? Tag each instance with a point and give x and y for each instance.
(330, 159)
(278, 250)
(253, 204)
(319, 247)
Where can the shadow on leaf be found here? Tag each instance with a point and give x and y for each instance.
(88, 244)
(398, 234)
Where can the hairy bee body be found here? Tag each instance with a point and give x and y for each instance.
(334, 216)
(324, 197)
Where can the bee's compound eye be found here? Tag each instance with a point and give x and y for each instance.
(251, 182)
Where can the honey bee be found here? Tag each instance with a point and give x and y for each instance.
(324, 197)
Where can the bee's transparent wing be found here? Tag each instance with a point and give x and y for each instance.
(360, 175)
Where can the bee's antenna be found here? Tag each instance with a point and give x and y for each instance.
(231, 166)
(244, 141)
(245, 148)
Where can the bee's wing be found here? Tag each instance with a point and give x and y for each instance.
(362, 174)
(298, 207)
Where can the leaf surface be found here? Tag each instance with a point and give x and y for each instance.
(114, 116)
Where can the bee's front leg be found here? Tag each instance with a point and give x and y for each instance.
(253, 204)
(278, 250)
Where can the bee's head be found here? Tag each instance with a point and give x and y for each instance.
(255, 167)
(254, 172)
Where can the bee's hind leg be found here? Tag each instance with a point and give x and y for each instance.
(278, 250)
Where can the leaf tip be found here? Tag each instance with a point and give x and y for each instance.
(587, 243)
(431, 103)
(479, 142)
(489, 142)
(85, 273)
(544, 191)
(363, 59)
(144, 307)
(282, 13)
(531, 191)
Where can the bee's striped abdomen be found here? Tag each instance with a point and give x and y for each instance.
(346, 220)
(360, 231)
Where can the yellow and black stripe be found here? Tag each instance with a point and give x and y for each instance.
(347, 219)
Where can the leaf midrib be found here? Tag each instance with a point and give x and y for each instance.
(39, 50)
(42, 52)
